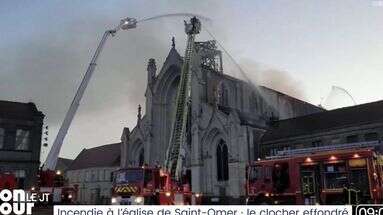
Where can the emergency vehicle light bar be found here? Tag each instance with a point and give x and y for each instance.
(311, 150)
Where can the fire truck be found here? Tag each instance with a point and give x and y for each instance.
(337, 174)
(53, 183)
(170, 185)
(149, 186)
(7, 181)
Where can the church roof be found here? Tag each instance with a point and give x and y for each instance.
(101, 156)
(318, 108)
(327, 120)
(63, 163)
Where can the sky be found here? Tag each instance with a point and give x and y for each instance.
(300, 47)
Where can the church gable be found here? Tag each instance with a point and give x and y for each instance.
(165, 80)
(173, 59)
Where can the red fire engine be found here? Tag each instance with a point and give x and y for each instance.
(7, 181)
(335, 176)
(53, 183)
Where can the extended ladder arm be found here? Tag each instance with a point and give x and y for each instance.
(174, 154)
(51, 160)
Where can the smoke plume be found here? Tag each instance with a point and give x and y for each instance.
(272, 78)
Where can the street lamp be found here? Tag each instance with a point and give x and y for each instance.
(50, 163)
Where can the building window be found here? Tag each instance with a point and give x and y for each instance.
(300, 146)
(2, 135)
(273, 151)
(253, 102)
(286, 148)
(69, 176)
(107, 175)
(317, 143)
(22, 139)
(335, 141)
(222, 162)
(100, 175)
(104, 176)
(86, 176)
(371, 136)
(93, 176)
(352, 139)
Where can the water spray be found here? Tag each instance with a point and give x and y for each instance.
(334, 94)
(176, 15)
(243, 73)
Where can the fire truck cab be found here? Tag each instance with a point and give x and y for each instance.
(53, 183)
(139, 185)
(149, 186)
(350, 176)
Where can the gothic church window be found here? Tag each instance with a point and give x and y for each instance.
(371, 136)
(317, 143)
(222, 161)
(141, 158)
(352, 139)
(224, 96)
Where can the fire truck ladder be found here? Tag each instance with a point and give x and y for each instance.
(174, 154)
(311, 150)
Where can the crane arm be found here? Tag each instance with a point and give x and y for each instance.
(51, 160)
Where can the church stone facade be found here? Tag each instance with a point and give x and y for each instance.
(227, 119)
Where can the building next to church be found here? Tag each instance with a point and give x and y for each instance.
(227, 118)
(20, 141)
(92, 172)
(63, 164)
(349, 125)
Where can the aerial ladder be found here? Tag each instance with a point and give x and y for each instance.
(49, 180)
(165, 185)
(51, 160)
(176, 149)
